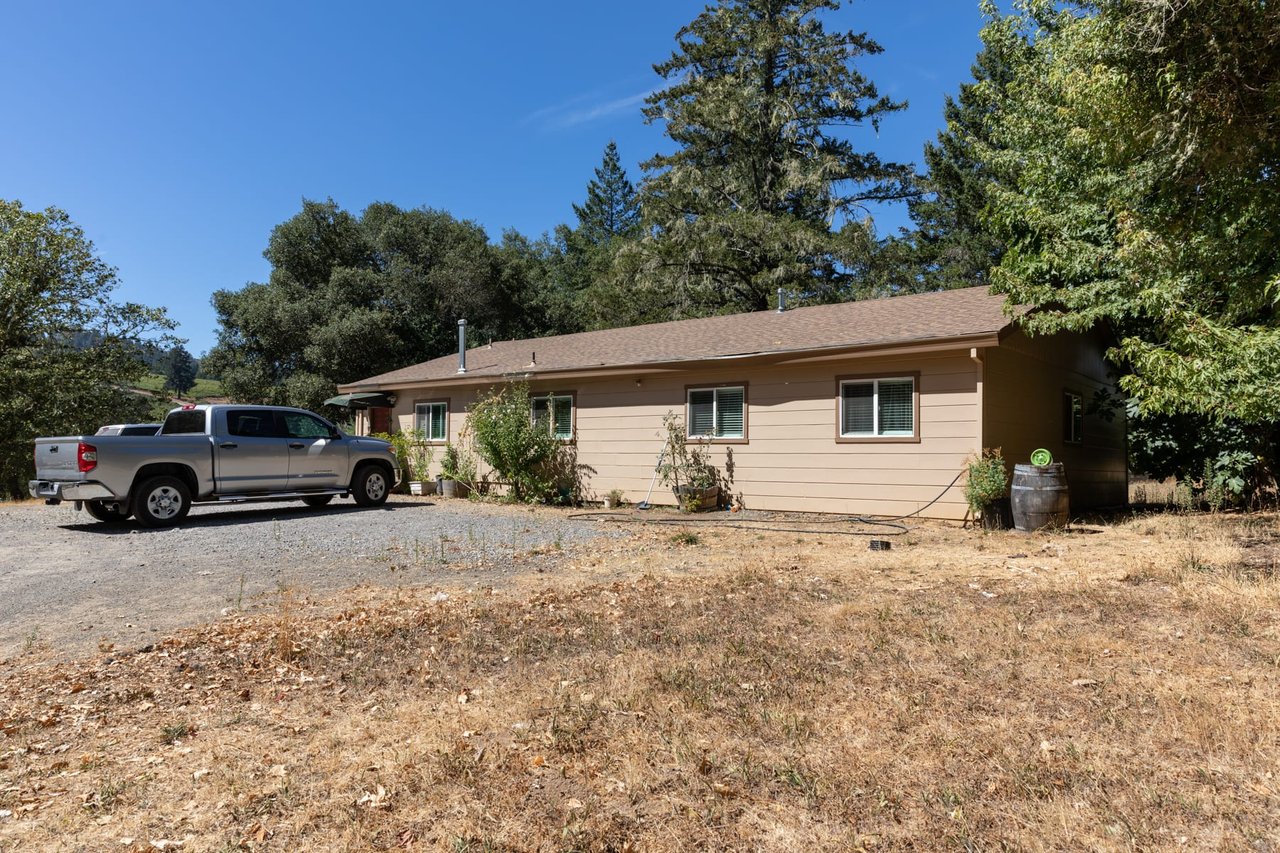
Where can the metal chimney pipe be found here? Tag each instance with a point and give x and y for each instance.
(462, 346)
(782, 301)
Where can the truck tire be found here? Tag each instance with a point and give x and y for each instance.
(161, 502)
(104, 512)
(371, 485)
(317, 501)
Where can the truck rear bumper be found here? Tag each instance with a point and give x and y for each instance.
(54, 490)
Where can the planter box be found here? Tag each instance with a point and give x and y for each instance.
(454, 489)
(695, 499)
(416, 487)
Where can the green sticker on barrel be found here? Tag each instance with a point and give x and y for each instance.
(1040, 456)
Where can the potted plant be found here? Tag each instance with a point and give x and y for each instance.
(412, 448)
(687, 469)
(985, 488)
(457, 471)
(613, 499)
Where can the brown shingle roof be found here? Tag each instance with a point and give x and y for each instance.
(870, 323)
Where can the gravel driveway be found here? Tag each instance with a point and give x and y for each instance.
(70, 583)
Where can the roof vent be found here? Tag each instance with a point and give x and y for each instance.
(782, 300)
(533, 358)
(462, 346)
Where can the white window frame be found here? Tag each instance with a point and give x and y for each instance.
(422, 419)
(1071, 400)
(715, 412)
(551, 413)
(876, 431)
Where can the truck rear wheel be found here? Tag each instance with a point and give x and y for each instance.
(161, 502)
(371, 485)
(110, 513)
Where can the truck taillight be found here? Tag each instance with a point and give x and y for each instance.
(86, 457)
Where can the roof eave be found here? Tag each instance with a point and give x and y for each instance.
(805, 355)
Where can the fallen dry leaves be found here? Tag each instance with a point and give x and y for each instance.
(1110, 688)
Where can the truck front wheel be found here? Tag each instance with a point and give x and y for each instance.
(371, 486)
(161, 502)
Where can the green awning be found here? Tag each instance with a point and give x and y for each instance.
(365, 400)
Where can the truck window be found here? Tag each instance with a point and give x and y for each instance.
(178, 423)
(298, 425)
(260, 423)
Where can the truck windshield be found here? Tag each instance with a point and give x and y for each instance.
(183, 422)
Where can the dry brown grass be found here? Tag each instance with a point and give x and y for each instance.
(1111, 689)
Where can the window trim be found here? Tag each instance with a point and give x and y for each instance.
(841, 381)
(1068, 425)
(746, 410)
(436, 402)
(573, 412)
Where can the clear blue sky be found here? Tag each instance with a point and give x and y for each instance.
(177, 134)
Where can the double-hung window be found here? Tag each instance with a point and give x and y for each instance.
(432, 419)
(878, 408)
(717, 413)
(1072, 417)
(556, 411)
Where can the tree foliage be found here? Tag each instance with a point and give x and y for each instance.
(352, 296)
(765, 188)
(951, 244)
(68, 351)
(612, 207)
(519, 449)
(1141, 135)
(179, 370)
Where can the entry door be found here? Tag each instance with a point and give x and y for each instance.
(253, 454)
(317, 460)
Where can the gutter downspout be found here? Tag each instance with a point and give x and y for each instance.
(462, 346)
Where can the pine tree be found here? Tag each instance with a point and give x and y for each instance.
(952, 246)
(612, 208)
(180, 370)
(765, 189)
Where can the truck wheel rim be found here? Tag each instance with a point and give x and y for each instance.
(375, 487)
(164, 502)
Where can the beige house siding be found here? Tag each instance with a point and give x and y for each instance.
(1023, 410)
(791, 459)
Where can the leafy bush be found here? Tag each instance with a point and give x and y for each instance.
(682, 464)
(518, 449)
(458, 463)
(987, 480)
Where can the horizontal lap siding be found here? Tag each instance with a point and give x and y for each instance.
(1025, 381)
(791, 460)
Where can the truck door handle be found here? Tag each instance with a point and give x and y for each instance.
(228, 445)
(296, 445)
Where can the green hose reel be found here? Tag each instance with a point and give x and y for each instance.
(1040, 456)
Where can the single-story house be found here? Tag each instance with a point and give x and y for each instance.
(868, 407)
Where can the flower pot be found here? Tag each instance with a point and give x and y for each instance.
(608, 503)
(453, 489)
(697, 498)
(415, 487)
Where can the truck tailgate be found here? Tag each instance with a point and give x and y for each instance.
(56, 458)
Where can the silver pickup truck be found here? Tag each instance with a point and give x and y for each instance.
(213, 453)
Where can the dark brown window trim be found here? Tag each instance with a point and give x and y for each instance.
(914, 376)
(448, 413)
(746, 409)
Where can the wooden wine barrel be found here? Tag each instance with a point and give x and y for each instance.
(1039, 496)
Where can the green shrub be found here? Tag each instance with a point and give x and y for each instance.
(518, 449)
(987, 481)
